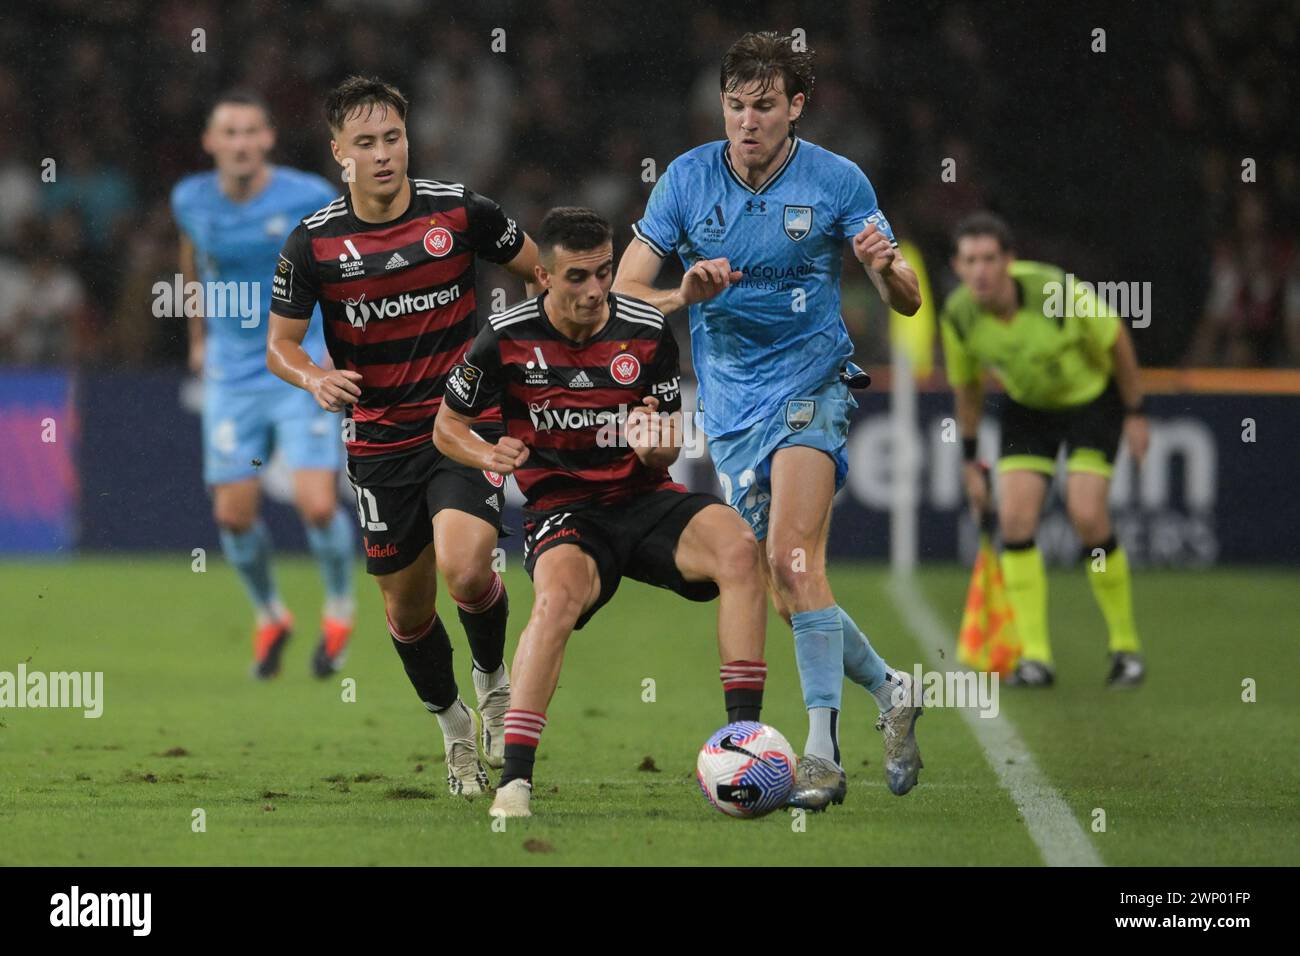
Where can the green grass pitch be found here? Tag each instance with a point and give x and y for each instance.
(287, 772)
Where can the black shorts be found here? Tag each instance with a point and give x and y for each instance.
(635, 538)
(397, 499)
(1091, 432)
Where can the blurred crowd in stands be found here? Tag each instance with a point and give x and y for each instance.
(1122, 164)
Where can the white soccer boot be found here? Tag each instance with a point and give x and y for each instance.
(465, 774)
(493, 702)
(512, 799)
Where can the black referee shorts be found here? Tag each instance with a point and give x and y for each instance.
(635, 538)
(1091, 433)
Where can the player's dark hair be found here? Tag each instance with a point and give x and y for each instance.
(241, 97)
(362, 92)
(984, 224)
(762, 57)
(574, 228)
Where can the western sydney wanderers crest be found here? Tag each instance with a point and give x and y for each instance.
(797, 221)
(437, 242)
(625, 369)
(496, 478)
(799, 413)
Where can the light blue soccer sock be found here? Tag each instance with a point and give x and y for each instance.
(250, 553)
(332, 545)
(819, 652)
(865, 667)
(862, 664)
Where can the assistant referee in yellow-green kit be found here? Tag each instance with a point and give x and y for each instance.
(1071, 376)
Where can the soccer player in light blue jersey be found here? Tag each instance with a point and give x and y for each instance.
(759, 221)
(233, 221)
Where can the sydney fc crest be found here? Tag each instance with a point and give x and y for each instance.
(797, 221)
(799, 413)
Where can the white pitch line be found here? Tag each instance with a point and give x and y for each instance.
(1052, 825)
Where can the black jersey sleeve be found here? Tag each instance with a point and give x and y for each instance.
(666, 373)
(492, 234)
(476, 383)
(294, 288)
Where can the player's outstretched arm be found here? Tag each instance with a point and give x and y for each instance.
(285, 356)
(637, 271)
(453, 437)
(888, 270)
(639, 268)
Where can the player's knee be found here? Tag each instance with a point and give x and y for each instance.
(737, 560)
(1017, 524)
(793, 572)
(317, 512)
(465, 581)
(1091, 521)
(234, 518)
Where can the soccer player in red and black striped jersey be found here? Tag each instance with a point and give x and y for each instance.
(565, 368)
(391, 263)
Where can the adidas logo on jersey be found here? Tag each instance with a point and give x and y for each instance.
(396, 262)
(491, 501)
(581, 380)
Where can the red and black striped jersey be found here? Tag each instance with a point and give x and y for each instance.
(568, 401)
(398, 301)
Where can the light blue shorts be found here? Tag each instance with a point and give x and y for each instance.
(743, 459)
(243, 424)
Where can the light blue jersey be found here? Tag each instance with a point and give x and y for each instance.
(778, 332)
(240, 242)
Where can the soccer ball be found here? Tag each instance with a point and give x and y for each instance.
(746, 769)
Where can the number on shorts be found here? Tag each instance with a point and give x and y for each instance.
(747, 480)
(364, 498)
(552, 521)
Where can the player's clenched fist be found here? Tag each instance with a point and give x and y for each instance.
(644, 429)
(336, 388)
(873, 249)
(706, 279)
(506, 455)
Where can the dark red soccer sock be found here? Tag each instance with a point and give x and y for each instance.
(742, 689)
(426, 656)
(484, 620)
(523, 734)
